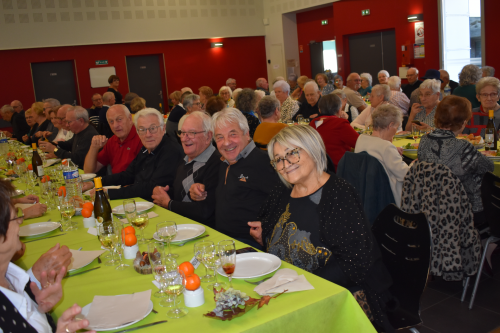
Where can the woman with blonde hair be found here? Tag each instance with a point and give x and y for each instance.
(136, 105)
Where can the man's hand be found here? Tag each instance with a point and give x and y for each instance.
(36, 210)
(29, 199)
(46, 134)
(98, 141)
(46, 146)
(313, 116)
(52, 260)
(87, 186)
(68, 323)
(197, 192)
(25, 137)
(51, 292)
(160, 196)
(256, 231)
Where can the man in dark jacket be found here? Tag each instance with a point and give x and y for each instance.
(413, 82)
(16, 113)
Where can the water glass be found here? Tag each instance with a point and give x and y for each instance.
(211, 259)
(157, 262)
(198, 250)
(167, 231)
(415, 132)
(227, 254)
(130, 209)
(67, 210)
(176, 281)
(118, 225)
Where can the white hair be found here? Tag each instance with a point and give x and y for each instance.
(189, 100)
(368, 77)
(416, 70)
(229, 80)
(52, 102)
(261, 93)
(285, 87)
(226, 88)
(340, 93)
(236, 92)
(107, 96)
(206, 121)
(382, 89)
(433, 84)
(313, 84)
(121, 107)
(384, 72)
(7, 108)
(394, 82)
(230, 116)
(147, 112)
(490, 71)
(80, 113)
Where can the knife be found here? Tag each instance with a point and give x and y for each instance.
(142, 326)
(88, 270)
(34, 240)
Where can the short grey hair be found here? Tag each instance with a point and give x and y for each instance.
(432, 84)
(382, 89)
(313, 84)
(487, 81)
(330, 105)
(259, 81)
(268, 105)
(52, 102)
(230, 116)
(236, 92)
(386, 114)
(305, 137)
(394, 82)
(107, 96)
(416, 70)
(285, 87)
(129, 97)
(7, 108)
(384, 72)
(292, 77)
(260, 93)
(120, 106)
(189, 100)
(226, 88)
(490, 71)
(80, 113)
(340, 93)
(147, 112)
(206, 121)
(229, 80)
(470, 74)
(368, 77)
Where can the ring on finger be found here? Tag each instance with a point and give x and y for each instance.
(67, 330)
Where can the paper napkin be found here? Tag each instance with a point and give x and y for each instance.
(82, 258)
(92, 231)
(284, 279)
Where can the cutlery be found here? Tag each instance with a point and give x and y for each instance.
(182, 243)
(88, 270)
(99, 260)
(81, 247)
(142, 326)
(258, 282)
(34, 240)
(154, 311)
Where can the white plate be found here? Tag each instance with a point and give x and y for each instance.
(185, 232)
(479, 146)
(17, 192)
(88, 176)
(36, 229)
(410, 150)
(252, 265)
(86, 309)
(140, 206)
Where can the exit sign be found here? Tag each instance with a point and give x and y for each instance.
(101, 62)
(365, 12)
(324, 22)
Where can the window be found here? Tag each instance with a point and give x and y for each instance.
(330, 56)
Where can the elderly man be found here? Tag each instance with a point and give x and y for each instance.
(289, 106)
(231, 83)
(237, 204)
(15, 115)
(262, 84)
(108, 101)
(64, 133)
(413, 82)
(310, 108)
(445, 80)
(156, 163)
(351, 88)
(95, 111)
(488, 71)
(200, 165)
(190, 103)
(77, 147)
(398, 99)
(118, 151)
(269, 108)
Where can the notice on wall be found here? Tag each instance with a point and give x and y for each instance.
(418, 51)
(419, 32)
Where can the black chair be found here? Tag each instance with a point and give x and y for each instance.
(490, 193)
(406, 253)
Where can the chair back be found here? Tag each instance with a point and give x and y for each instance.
(406, 253)
(490, 193)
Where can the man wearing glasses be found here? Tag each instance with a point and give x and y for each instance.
(351, 91)
(156, 163)
(200, 165)
(413, 82)
(95, 110)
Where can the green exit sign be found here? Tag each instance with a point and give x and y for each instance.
(101, 62)
(324, 22)
(365, 12)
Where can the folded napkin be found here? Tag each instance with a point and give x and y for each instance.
(150, 215)
(108, 312)
(82, 258)
(92, 231)
(52, 161)
(284, 279)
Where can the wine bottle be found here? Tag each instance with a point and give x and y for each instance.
(36, 162)
(490, 134)
(102, 208)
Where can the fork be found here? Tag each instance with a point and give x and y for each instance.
(258, 282)
(184, 243)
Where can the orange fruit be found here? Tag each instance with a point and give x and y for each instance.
(30, 167)
(130, 240)
(21, 159)
(64, 162)
(187, 268)
(192, 282)
(88, 205)
(129, 230)
(62, 191)
(86, 212)
(47, 177)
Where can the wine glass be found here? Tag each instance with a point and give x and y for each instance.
(67, 212)
(171, 267)
(198, 250)
(415, 132)
(141, 221)
(157, 262)
(227, 254)
(109, 239)
(210, 257)
(167, 231)
(290, 122)
(130, 209)
(118, 225)
(299, 118)
(176, 281)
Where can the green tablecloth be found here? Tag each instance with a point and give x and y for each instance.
(327, 308)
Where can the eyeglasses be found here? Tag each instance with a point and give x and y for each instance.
(19, 215)
(190, 135)
(492, 95)
(152, 130)
(292, 157)
(425, 95)
(197, 103)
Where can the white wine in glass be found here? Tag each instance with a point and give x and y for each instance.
(109, 239)
(141, 221)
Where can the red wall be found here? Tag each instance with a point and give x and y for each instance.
(191, 63)
(491, 10)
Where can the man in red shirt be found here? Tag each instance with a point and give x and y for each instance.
(117, 151)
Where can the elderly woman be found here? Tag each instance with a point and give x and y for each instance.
(386, 120)
(289, 106)
(114, 82)
(205, 94)
(297, 94)
(381, 93)
(235, 93)
(383, 76)
(136, 105)
(57, 125)
(30, 120)
(292, 81)
(246, 103)
(25, 306)
(316, 221)
(175, 115)
(487, 90)
(351, 111)
(467, 79)
(366, 84)
(334, 128)
(338, 82)
(422, 115)
(214, 104)
(41, 120)
(322, 81)
(226, 93)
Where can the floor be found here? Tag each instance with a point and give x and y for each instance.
(442, 311)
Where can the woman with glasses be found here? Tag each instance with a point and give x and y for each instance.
(487, 92)
(422, 114)
(315, 221)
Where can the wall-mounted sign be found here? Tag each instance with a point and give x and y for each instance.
(101, 62)
(419, 32)
(418, 51)
(365, 12)
(324, 22)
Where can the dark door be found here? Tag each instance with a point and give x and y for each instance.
(372, 52)
(144, 78)
(316, 50)
(55, 80)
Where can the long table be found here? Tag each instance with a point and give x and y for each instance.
(327, 308)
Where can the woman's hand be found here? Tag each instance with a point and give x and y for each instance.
(51, 292)
(197, 192)
(256, 231)
(39, 134)
(68, 323)
(416, 108)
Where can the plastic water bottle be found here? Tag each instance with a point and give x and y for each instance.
(72, 179)
(447, 90)
(4, 144)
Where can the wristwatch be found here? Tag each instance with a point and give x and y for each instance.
(55, 150)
